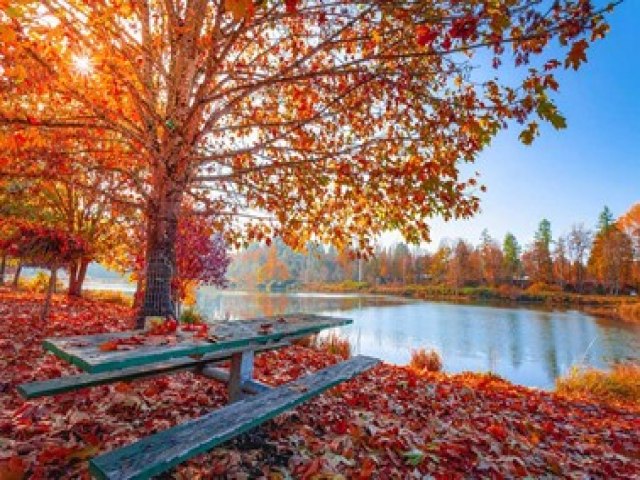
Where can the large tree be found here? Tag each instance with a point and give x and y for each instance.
(511, 263)
(330, 120)
(611, 257)
(491, 258)
(630, 224)
(578, 244)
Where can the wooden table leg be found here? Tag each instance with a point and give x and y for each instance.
(241, 370)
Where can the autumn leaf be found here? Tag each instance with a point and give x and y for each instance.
(463, 27)
(240, 9)
(292, 5)
(7, 34)
(577, 55)
(529, 133)
(548, 111)
(109, 346)
(425, 35)
(497, 431)
(12, 469)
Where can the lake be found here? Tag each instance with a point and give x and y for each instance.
(527, 346)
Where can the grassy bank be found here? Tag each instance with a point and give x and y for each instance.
(617, 307)
(619, 386)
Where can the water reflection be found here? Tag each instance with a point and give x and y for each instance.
(530, 347)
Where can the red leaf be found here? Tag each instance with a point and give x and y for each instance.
(425, 35)
(292, 5)
(498, 431)
(341, 427)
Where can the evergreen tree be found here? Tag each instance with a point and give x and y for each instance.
(605, 220)
(511, 256)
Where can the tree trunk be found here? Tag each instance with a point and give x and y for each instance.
(161, 252)
(47, 302)
(138, 296)
(77, 275)
(73, 278)
(3, 267)
(16, 276)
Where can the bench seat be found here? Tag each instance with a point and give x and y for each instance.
(160, 452)
(75, 382)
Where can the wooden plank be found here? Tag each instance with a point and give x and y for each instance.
(75, 382)
(249, 385)
(160, 452)
(85, 352)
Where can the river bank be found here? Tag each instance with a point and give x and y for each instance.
(623, 308)
(392, 422)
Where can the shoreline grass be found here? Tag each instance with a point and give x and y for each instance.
(620, 385)
(621, 308)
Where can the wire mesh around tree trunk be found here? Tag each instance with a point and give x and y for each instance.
(157, 298)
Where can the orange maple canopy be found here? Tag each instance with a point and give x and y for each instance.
(307, 119)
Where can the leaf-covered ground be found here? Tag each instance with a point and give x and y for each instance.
(387, 423)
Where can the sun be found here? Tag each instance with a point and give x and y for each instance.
(82, 64)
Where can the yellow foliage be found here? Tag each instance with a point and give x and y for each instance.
(621, 385)
(428, 360)
(190, 295)
(335, 345)
(110, 296)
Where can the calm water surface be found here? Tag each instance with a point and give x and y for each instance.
(530, 347)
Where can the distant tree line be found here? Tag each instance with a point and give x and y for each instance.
(603, 260)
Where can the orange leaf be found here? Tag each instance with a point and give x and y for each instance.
(123, 387)
(109, 346)
(240, 9)
(12, 469)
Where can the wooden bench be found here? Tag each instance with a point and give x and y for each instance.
(55, 386)
(160, 452)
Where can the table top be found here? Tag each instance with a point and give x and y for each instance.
(113, 351)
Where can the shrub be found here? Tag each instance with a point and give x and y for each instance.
(192, 316)
(425, 360)
(39, 283)
(110, 296)
(508, 291)
(620, 385)
(335, 344)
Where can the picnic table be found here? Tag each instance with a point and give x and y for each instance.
(125, 356)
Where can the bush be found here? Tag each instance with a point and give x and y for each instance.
(191, 316)
(508, 291)
(335, 345)
(425, 360)
(39, 283)
(620, 385)
(110, 296)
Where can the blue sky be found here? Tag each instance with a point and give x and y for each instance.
(567, 176)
